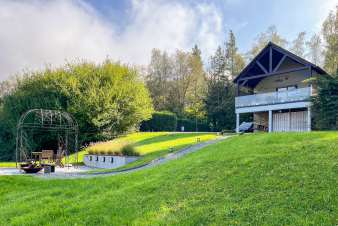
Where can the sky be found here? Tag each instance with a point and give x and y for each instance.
(38, 33)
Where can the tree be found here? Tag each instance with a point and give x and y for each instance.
(270, 35)
(197, 89)
(314, 46)
(106, 99)
(325, 103)
(235, 62)
(181, 82)
(330, 35)
(160, 72)
(298, 45)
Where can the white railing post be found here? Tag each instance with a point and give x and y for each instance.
(270, 121)
(237, 122)
(309, 118)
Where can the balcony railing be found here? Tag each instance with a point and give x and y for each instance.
(297, 95)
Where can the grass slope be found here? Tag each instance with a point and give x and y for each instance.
(150, 145)
(262, 179)
(7, 164)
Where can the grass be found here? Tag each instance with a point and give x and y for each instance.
(150, 145)
(263, 179)
(7, 164)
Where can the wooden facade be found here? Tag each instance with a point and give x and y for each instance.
(274, 87)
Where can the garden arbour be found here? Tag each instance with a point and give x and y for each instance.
(53, 124)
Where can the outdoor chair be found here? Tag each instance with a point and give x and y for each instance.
(47, 155)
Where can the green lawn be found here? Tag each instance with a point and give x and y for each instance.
(150, 145)
(7, 164)
(260, 179)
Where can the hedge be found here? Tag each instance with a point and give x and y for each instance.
(160, 121)
(190, 125)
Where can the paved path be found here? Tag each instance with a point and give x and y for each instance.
(155, 162)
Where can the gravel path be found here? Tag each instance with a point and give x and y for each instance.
(171, 156)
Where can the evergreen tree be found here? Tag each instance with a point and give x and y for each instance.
(220, 100)
(234, 60)
(325, 103)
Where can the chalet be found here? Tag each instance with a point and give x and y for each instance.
(274, 87)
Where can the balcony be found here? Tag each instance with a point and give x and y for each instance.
(297, 95)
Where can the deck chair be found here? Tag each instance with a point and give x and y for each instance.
(47, 155)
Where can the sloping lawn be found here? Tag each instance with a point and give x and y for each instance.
(150, 145)
(261, 179)
(7, 164)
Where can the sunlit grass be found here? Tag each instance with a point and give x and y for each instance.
(149, 145)
(257, 179)
(7, 164)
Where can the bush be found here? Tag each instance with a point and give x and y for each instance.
(106, 100)
(129, 150)
(160, 121)
(190, 125)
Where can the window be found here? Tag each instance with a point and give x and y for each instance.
(90, 158)
(97, 158)
(112, 160)
(103, 159)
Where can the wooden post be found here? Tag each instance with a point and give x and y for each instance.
(270, 121)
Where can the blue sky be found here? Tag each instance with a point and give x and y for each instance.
(36, 33)
(246, 17)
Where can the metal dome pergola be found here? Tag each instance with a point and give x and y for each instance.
(59, 123)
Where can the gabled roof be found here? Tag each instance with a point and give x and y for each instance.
(268, 62)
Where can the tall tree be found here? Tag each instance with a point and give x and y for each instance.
(234, 60)
(160, 71)
(181, 82)
(197, 90)
(220, 101)
(298, 45)
(330, 35)
(314, 46)
(271, 34)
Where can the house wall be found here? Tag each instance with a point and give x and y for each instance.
(270, 84)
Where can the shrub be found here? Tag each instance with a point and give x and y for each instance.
(129, 150)
(106, 100)
(160, 121)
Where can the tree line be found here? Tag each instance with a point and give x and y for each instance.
(182, 84)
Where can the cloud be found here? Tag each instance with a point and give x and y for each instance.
(36, 33)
